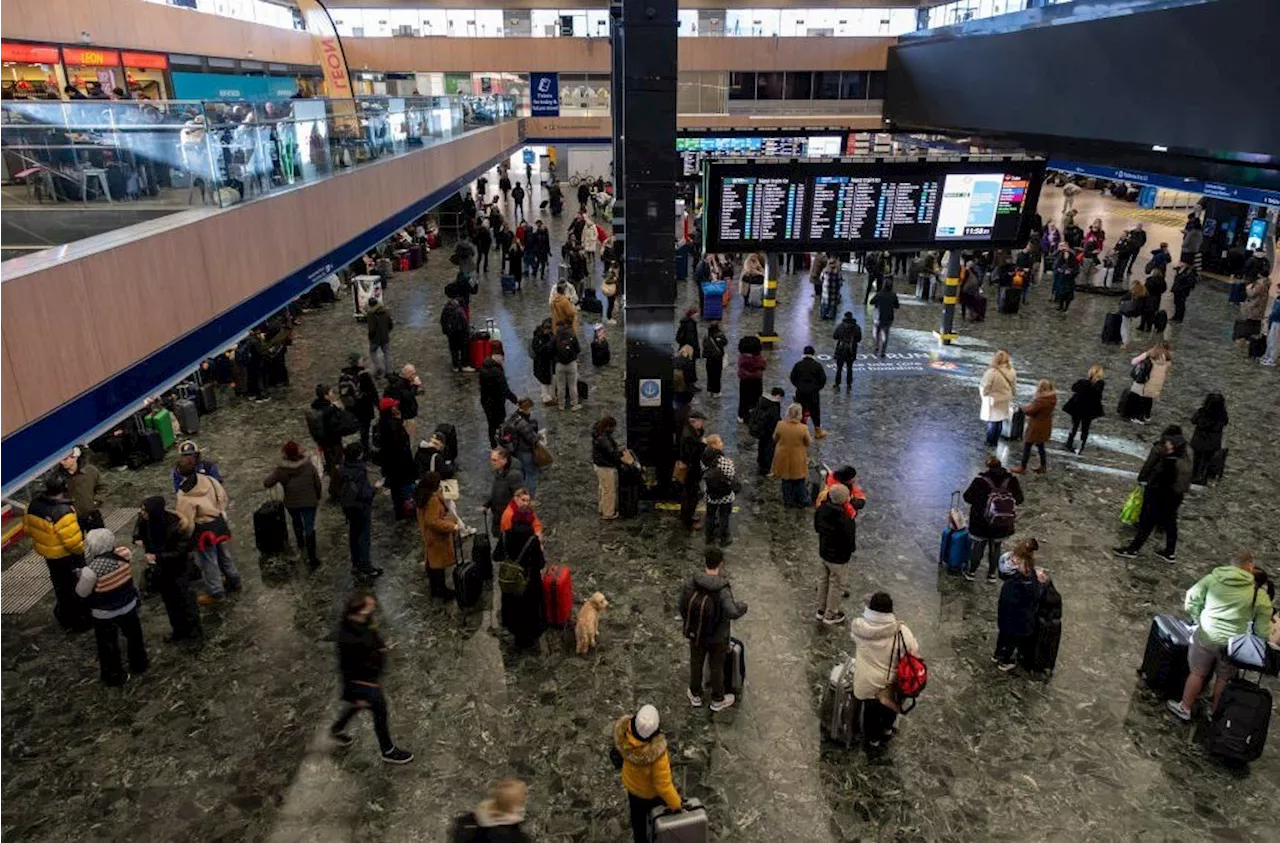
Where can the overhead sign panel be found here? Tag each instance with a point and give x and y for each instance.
(544, 94)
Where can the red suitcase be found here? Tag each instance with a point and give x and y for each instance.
(557, 593)
(479, 349)
(402, 262)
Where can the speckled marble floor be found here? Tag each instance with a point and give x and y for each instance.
(228, 743)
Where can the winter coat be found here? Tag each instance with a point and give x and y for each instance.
(54, 530)
(976, 497)
(687, 383)
(719, 477)
(361, 653)
(366, 406)
(730, 608)
(300, 480)
(847, 336)
(501, 490)
(837, 533)
(808, 376)
(1167, 475)
(687, 334)
(544, 355)
(1086, 399)
(494, 391)
(1223, 603)
(768, 412)
(378, 321)
(874, 636)
(605, 451)
(395, 451)
(713, 346)
(791, 450)
(689, 448)
(646, 769)
(1254, 307)
(885, 303)
(1155, 382)
(563, 310)
(436, 529)
(1019, 598)
(1040, 418)
(523, 433)
(206, 501)
(356, 490)
(106, 580)
(85, 488)
(751, 367)
(404, 392)
(997, 390)
(1208, 431)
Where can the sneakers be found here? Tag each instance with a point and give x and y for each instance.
(832, 620)
(396, 755)
(820, 615)
(371, 573)
(1124, 553)
(1166, 556)
(694, 699)
(992, 578)
(970, 575)
(467, 370)
(1179, 710)
(342, 738)
(575, 408)
(1005, 667)
(727, 702)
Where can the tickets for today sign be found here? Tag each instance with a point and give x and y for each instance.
(544, 94)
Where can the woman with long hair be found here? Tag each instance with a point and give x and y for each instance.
(437, 527)
(606, 457)
(1206, 441)
(1084, 405)
(1039, 429)
(1150, 369)
(999, 383)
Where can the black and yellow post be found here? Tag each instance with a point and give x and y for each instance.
(950, 295)
(768, 333)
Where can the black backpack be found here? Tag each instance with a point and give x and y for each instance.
(564, 348)
(315, 424)
(349, 390)
(701, 615)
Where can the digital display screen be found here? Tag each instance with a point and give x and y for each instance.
(857, 205)
(695, 150)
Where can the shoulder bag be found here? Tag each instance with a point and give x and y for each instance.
(908, 674)
(1248, 649)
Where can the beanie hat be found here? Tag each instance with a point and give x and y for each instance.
(645, 723)
(353, 358)
(292, 451)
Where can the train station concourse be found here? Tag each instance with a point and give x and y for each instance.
(653, 422)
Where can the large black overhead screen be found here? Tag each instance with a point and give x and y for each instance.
(850, 205)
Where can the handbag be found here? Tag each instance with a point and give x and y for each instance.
(908, 674)
(512, 580)
(1141, 371)
(541, 455)
(609, 288)
(1132, 507)
(1248, 648)
(681, 472)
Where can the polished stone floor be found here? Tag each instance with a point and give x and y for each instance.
(228, 743)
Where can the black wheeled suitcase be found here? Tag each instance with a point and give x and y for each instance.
(482, 551)
(206, 398)
(1164, 663)
(468, 585)
(152, 445)
(1240, 722)
(1257, 347)
(270, 530)
(735, 667)
(583, 390)
(1111, 328)
(1010, 300)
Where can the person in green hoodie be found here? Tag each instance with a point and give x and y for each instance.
(1223, 603)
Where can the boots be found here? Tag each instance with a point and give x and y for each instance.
(819, 433)
(313, 559)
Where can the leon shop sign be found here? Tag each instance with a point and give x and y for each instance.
(328, 50)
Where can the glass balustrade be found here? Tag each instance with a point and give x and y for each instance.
(108, 164)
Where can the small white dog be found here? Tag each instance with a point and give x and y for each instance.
(589, 621)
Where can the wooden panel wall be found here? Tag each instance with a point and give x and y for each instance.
(139, 302)
(152, 26)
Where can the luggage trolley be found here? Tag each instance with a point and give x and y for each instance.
(364, 288)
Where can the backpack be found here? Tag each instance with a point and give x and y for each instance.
(846, 345)
(701, 615)
(315, 424)
(1141, 372)
(565, 353)
(1001, 510)
(349, 390)
(719, 485)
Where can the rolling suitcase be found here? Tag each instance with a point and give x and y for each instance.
(840, 712)
(713, 299)
(206, 398)
(1257, 347)
(1164, 663)
(1010, 300)
(735, 667)
(954, 553)
(1240, 722)
(161, 421)
(755, 295)
(583, 390)
(417, 257)
(687, 826)
(1111, 328)
(557, 592)
(479, 347)
(468, 585)
(589, 302)
(1016, 425)
(270, 530)
(188, 416)
(508, 284)
(482, 551)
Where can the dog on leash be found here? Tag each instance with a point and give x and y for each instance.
(589, 621)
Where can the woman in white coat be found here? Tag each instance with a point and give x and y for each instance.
(875, 635)
(999, 383)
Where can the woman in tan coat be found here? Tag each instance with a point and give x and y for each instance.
(999, 383)
(1155, 362)
(1039, 425)
(791, 456)
(437, 526)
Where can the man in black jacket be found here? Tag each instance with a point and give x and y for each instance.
(1155, 286)
(327, 423)
(483, 241)
(764, 418)
(494, 391)
(809, 377)
(540, 246)
(1184, 281)
(356, 496)
(456, 329)
(359, 394)
(405, 388)
(689, 454)
(707, 607)
(1167, 475)
(837, 540)
(361, 657)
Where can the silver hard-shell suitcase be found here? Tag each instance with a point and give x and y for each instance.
(687, 826)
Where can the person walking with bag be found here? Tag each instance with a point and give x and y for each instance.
(1167, 475)
(1039, 428)
(879, 639)
(993, 497)
(999, 383)
(837, 540)
(362, 655)
(640, 752)
(1084, 405)
(297, 475)
(707, 610)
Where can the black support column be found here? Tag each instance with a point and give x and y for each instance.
(645, 165)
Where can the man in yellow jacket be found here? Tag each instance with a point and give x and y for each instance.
(51, 523)
(646, 768)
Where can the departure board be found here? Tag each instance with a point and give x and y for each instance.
(865, 205)
(695, 150)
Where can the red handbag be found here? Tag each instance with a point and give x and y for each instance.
(910, 675)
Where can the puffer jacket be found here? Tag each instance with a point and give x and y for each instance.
(51, 523)
(300, 480)
(751, 367)
(874, 636)
(646, 768)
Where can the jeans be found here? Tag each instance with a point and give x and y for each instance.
(640, 809)
(1158, 510)
(991, 546)
(793, 493)
(382, 366)
(215, 563)
(359, 529)
(566, 380)
(482, 260)
(370, 697)
(520, 208)
(540, 266)
(606, 491)
(304, 526)
(993, 433)
(530, 471)
(1273, 344)
(845, 367)
(717, 526)
(1081, 425)
(835, 579)
(105, 630)
(1026, 453)
(713, 655)
(1009, 646)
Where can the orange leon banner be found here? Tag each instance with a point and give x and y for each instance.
(90, 58)
(328, 50)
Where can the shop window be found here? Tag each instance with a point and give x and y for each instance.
(799, 86)
(432, 22)
(742, 86)
(853, 85)
(875, 85)
(687, 23)
(826, 85)
(770, 86)
(546, 23)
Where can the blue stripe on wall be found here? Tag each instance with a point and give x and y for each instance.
(35, 447)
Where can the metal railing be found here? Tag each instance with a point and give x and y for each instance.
(174, 154)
